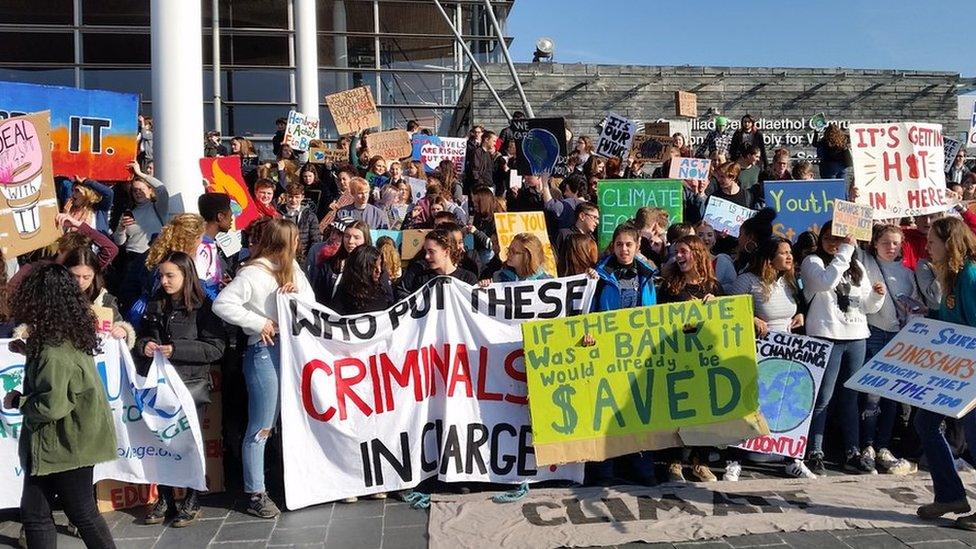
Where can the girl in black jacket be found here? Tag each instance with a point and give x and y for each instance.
(180, 324)
(364, 286)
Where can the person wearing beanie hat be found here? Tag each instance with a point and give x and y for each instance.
(717, 140)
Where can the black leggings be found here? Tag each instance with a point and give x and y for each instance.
(74, 490)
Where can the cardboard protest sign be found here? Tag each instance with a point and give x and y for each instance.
(928, 364)
(658, 128)
(685, 104)
(362, 412)
(321, 155)
(93, 131)
(790, 370)
(28, 204)
(620, 199)
(852, 219)
(391, 145)
(652, 373)
(652, 148)
(411, 242)
(951, 149)
(540, 146)
(512, 223)
(223, 175)
(141, 408)
(690, 168)
(300, 129)
(724, 215)
(353, 110)
(898, 168)
(430, 150)
(615, 137)
(802, 205)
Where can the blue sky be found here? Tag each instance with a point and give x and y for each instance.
(879, 34)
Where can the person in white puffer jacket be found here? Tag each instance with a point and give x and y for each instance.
(839, 297)
(250, 301)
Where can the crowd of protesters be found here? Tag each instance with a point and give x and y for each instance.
(172, 289)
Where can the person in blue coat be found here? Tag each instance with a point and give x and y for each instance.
(625, 281)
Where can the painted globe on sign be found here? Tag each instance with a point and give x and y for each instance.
(786, 394)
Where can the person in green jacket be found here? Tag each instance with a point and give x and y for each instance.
(67, 425)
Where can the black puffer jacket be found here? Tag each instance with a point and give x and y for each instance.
(197, 336)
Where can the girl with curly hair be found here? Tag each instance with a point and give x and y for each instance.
(68, 425)
(952, 250)
(249, 301)
(833, 152)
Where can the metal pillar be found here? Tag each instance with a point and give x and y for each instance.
(474, 62)
(508, 59)
(177, 88)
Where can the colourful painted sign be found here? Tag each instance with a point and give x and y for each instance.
(223, 175)
(620, 199)
(93, 131)
(802, 205)
(651, 372)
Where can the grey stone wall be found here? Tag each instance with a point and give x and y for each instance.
(787, 97)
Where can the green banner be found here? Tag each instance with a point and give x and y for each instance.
(658, 368)
(619, 200)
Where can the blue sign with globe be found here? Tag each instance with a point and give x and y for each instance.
(11, 378)
(787, 393)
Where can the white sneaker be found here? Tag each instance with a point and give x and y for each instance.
(798, 469)
(889, 464)
(732, 471)
(963, 466)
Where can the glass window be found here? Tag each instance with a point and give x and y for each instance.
(258, 85)
(254, 50)
(344, 15)
(120, 80)
(438, 120)
(38, 47)
(53, 77)
(114, 12)
(37, 12)
(414, 18)
(253, 119)
(418, 88)
(129, 49)
(346, 51)
(332, 81)
(269, 14)
(416, 53)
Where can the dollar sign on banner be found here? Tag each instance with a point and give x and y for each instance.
(561, 397)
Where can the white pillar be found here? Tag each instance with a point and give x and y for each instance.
(307, 57)
(177, 88)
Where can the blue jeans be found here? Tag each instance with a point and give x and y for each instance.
(945, 480)
(877, 414)
(846, 357)
(261, 370)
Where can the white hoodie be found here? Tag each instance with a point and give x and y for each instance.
(250, 300)
(824, 317)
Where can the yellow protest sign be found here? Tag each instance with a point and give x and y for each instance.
(657, 377)
(510, 224)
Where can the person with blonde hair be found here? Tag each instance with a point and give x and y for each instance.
(525, 261)
(183, 233)
(250, 301)
(952, 251)
(91, 203)
(361, 209)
